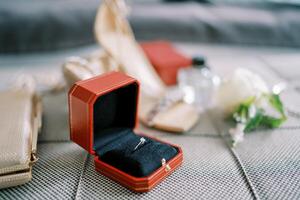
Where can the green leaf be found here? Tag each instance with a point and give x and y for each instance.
(242, 111)
(241, 114)
(276, 103)
(255, 121)
(272, 122)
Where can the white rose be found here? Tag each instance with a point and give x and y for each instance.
(241, 85)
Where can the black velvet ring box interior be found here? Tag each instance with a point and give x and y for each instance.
(103, 119)
(116, 143)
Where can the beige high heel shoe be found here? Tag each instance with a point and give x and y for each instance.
(114, 34)
(123, 53)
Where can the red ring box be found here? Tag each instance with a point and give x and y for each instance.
(82, 97)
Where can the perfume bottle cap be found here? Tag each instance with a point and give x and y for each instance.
(199, 62)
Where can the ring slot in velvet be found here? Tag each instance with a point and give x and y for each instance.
(139, 162)
(142, 162)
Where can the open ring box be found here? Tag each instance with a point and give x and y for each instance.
(103, 116)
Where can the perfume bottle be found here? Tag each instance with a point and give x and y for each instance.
(198, 84)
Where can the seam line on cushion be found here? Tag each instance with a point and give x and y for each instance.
(196, 136)
(243, 169)
(296, 127)
(82, 174)
(272, 69)
(292, 113)
(238, 161)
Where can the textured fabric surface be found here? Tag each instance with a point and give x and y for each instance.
(55, 175)
(287, 65)
(272, 160)
(264, 166)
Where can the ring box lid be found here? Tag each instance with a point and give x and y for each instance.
(101, 103)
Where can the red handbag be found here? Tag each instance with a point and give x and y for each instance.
(97, 108)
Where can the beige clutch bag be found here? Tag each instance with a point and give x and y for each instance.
(20, 121)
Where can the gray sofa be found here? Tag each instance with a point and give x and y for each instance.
(51, 25)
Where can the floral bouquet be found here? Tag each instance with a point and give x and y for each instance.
(247, 100)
